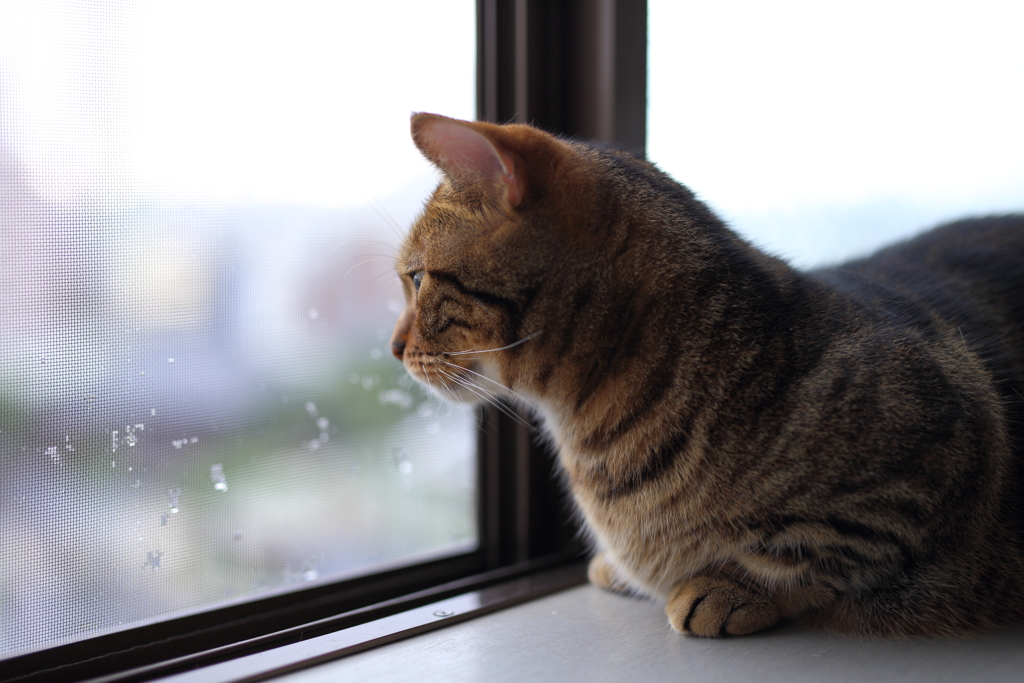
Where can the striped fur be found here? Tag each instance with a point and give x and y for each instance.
(748, 442)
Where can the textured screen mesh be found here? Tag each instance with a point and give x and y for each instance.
(199, 203)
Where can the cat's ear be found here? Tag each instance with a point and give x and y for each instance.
(468, 156)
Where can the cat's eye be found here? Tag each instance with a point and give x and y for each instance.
(417, 279)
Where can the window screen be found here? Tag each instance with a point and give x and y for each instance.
(199, 207)
(823, 130)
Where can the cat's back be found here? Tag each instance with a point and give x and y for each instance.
(983, 255)
(961, 286)
(967, 275)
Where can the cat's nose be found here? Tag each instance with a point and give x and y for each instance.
(403, 328)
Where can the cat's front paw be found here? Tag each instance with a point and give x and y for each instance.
(713, 606)
(602, 574)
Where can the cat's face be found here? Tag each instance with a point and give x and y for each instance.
(511, 260)
(448, 335)
(462, 309)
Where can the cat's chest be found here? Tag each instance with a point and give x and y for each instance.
(651, 549)
(654, 533)
(637, 518)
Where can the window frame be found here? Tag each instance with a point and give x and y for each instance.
(573, 67)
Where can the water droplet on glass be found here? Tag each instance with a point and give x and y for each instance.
(323, 422)
(178, 443)
(220, 482)
(311, 408)
(113, 441)
(54, 454)
(152, 411)
(113, 463)
(153, 558)
(367, 382)
(314, 444)
(164, 518)
(170, 360)
(395, 306)
(426, 410)
(313, 314)
(174, 493)
(194, 439)
(376, 354)
(395, 397)
(238, 536)
(130, 439)
(400, 459)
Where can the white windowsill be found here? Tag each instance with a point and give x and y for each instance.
(585, 634)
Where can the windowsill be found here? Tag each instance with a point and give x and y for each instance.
(584, 633)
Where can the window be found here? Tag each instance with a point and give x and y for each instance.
(195, 353)
(822, 131)
(199, 206)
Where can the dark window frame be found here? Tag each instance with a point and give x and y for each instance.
(572, 67)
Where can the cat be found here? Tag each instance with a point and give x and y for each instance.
(750, 443)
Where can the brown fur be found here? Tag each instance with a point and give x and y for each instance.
(746, 441)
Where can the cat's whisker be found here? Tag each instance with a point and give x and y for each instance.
(385, 274)
(431, 395)
(451, 392)
(468, 386)
(486, 396)
(502, 348)
(386, 245)
(363, 263)
(511, 392)
(389, 220)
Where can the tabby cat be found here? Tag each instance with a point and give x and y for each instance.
(746, 441)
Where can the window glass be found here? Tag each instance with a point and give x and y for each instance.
(823, 130)
(199, 207)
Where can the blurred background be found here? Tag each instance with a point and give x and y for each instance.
(199, 208)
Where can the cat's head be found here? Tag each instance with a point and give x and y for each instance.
(476, 260)
(551, 270)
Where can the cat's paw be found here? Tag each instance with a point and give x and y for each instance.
(602, 574)
(712, 607)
